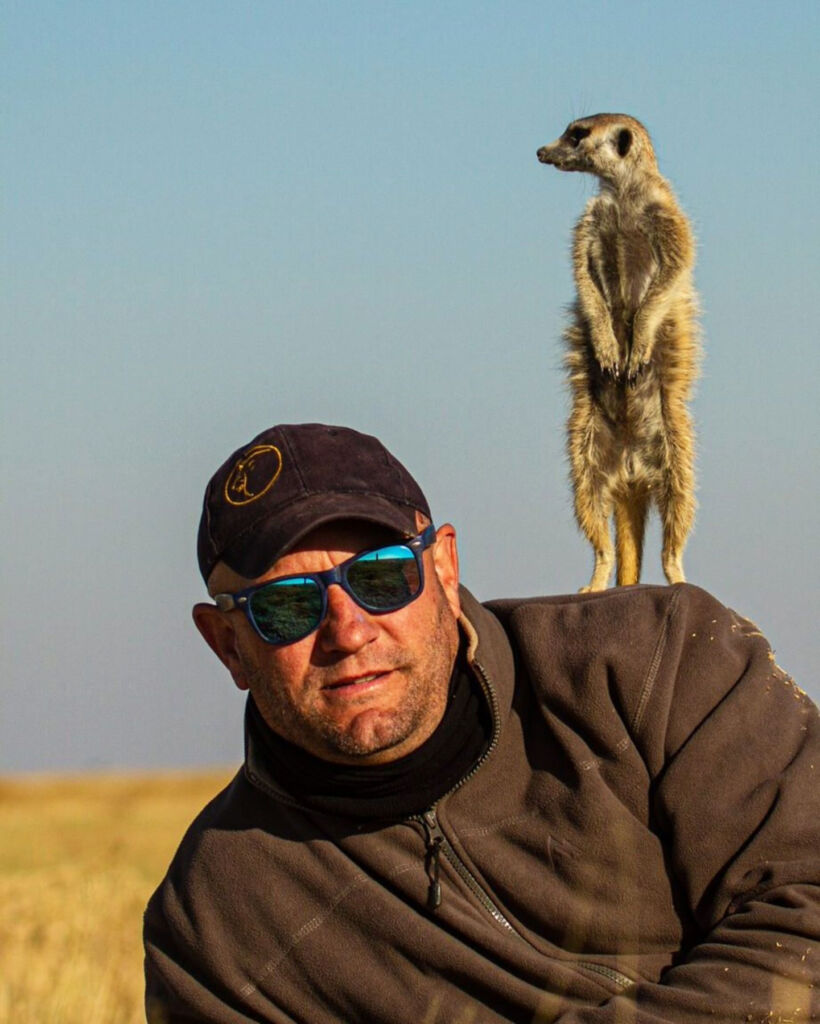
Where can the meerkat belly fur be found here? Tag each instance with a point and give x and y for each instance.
(632, 349)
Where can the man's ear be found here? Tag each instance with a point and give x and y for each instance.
(445, 559)
(220, 636)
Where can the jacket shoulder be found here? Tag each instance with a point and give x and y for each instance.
(582, 623)
(619, 618)
(662, 658)
(624, 647)
(226, 815)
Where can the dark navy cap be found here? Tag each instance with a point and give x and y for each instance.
(289, 480)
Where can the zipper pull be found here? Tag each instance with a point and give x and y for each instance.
(434, 891)
(434, 839)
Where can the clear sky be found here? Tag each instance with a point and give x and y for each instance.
(219, 216)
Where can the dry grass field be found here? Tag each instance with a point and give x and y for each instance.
(79, 858)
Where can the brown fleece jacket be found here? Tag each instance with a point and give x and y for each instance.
(641, 843)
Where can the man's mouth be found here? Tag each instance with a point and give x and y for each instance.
(352, 684)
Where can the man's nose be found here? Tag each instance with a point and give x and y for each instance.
(346, 626)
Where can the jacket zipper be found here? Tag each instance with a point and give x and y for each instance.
(437, 845)
(623, 981)
(436, 842)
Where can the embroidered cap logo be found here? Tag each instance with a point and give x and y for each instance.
(253, 475)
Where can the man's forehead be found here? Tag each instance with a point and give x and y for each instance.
(341, 537)
(343, 534)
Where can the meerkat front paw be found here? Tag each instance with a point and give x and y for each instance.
(606, 351)
(634, 369)
(637, 362)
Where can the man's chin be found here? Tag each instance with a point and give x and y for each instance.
(375, 736)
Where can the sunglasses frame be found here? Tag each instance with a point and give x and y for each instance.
(337, 574)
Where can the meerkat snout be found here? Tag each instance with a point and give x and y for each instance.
(556, 153)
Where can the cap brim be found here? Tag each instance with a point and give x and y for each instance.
(252, 554)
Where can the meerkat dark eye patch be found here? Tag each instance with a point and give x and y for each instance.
(624, 141)
(574, 135)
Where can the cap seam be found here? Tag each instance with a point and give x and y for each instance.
(293, 464)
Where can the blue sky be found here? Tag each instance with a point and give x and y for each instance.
(221, 216)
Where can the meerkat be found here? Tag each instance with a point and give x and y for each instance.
(632, 349)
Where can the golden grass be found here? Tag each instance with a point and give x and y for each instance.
(79, 858)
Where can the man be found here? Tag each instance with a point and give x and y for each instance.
(593, 808)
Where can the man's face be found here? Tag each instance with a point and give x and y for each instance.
(363, 688)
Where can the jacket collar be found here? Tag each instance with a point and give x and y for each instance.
(489, 654)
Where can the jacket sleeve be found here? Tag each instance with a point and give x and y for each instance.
(733, 747)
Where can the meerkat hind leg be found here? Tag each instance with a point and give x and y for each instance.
(677, 514)
(593, 519)
(604, 562)
(676, 499)
(672, 561)
(630, 523)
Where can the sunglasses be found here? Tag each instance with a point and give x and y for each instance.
(289, 608)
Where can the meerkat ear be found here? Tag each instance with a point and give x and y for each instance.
(624, 141)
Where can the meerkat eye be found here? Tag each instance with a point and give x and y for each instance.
(574, 135)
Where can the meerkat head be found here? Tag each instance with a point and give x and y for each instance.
(614, 147)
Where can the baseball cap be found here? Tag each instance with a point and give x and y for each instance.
(292, 478)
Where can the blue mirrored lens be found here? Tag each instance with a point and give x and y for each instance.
(286, 610)
(386, 579)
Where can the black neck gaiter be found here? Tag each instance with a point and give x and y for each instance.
(398, 789)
